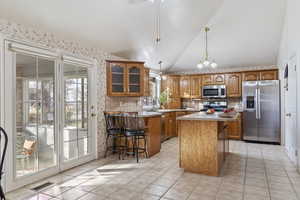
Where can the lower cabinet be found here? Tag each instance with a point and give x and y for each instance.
(234, 129)
(168, 125)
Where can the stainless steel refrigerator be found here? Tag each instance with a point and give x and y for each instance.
(261, 118)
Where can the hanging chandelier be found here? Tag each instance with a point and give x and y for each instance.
(207, 62)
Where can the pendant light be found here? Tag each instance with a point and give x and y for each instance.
(206, 62)
(162, 77)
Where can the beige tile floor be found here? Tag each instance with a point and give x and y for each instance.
(251, 172)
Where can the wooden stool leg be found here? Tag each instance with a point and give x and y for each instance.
(146, 149)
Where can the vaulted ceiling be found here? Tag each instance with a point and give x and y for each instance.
(244, 33)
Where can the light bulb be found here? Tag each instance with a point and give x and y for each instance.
(214, 65)
(200, 65)
(164, 77)
(206, 63)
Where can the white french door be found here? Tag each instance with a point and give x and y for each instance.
(48, 107)
(78, 119)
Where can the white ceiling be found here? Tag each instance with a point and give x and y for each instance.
(244, 33)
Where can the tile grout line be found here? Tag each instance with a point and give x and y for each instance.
(245, 170)
(266, 174)
(292, 184)
(162, 196)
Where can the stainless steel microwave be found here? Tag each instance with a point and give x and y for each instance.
(214, 91)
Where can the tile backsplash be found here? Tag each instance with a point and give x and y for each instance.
(198, 103)
(124, 104)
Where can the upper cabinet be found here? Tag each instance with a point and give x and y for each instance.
(207, 79)
(219, 79)
(116, 79)
(171, 82)
(260, 75)
(213, 79)
(195, 82)
(251, 76)
(185, 86)
(269, 75)
(234, 85)
(146, 82)
(125, 78)
(174, 86)
(135, 79)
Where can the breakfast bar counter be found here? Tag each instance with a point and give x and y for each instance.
(203, 143)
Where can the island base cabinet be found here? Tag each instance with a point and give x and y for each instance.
(203, 146)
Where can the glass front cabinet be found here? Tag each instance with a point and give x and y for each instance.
(125, 78)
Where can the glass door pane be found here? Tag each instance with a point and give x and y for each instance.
(76, 137)
(46, 123)
(35, 146)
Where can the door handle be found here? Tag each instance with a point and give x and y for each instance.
(93, 115)
(258, 98)
(256, 103)
(288, 114)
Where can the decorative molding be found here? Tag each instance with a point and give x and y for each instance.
(19, 32)
(210, 70)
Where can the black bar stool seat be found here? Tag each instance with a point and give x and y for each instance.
(134, 129)
(114, 130)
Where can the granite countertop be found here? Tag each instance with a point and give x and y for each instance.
(208, 117)
(149, 114)
(177, 110)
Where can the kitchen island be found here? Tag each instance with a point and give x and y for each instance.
(203, 142)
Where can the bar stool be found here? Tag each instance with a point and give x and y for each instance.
(114, 130)
(134, 129)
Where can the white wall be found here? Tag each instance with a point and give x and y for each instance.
(290, 45)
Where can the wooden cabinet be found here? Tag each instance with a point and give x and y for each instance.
(234, 129)
(171, 82)
(190, 86)
(195, 82)
(146, 82)
(185, 87)
(169, 125)
(219, 79)
(234, 85)
(213, 79)
(153, 125)
(135, 79)
(260, 75)
(207, 80)
(125, 78)
(116, 79)
(251, 76)
(268, 75)
(174, 86)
